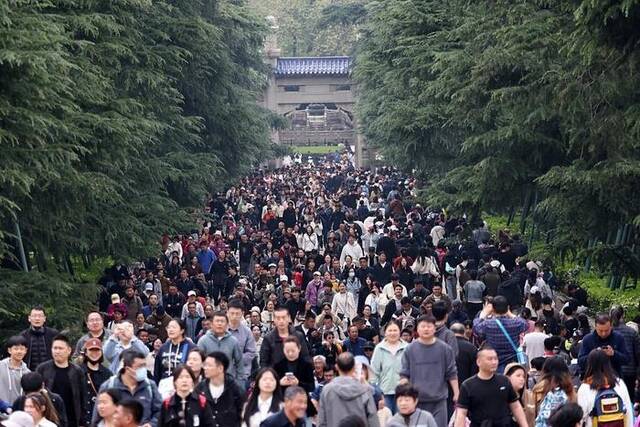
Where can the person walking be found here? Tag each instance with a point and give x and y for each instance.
(243, 335)
(554, 389)
(518, 377)
(271, 350)
(220, 339)
(632, 346)
(172, 353)
(344, 305)
(293, 413)
(107, 405)
(185, 408)
(429, 351)
(386, 363)
(134, 385)
(346, 396)
(533, 342)
(488, 396)
(94, 374)
(500, 329)
(221, 391)
(600, 376)
(293, 370)
(467, 353)
(32, 382)
(13, 368)
(605, 338)
(39, 338)
(41, 412)
(121, 340)
(474, 292)
(95, 329)
(66, 379)
(265, 398)
(409, 415)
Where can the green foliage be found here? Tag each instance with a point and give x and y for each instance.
(499, 105)
(65, 301)
(314, 27)
(117, 118)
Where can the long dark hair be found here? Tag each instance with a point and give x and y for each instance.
(45, 405)
(599, 372)
(520, 392)
(555, 373)
(252, 402)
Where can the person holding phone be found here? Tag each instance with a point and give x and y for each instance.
(606, 339)
(294, 370)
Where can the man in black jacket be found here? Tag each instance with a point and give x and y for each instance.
(271, 350)
(467, 352)
(222, 392)
(65, 379)
(310, 332)
(382, 271)
(394, 305)
(39, 338)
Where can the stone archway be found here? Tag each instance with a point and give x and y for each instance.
(317, 95)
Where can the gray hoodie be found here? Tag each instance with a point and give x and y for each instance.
(10, 388)
(419, 418)
(228, 345)
(346, 396)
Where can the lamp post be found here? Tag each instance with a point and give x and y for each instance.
(23, 258)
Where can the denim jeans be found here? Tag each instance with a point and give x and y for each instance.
(390, 402)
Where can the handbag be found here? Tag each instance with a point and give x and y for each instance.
(521, 356)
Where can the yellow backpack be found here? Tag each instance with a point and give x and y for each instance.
(608, 409)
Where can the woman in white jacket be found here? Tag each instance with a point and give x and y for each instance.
(376, 299)
(308, 241)
(343, 305)
(600, 375)
(425, 267)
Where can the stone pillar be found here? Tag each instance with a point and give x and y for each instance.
(272, 53)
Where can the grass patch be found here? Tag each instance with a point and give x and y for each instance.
(320, 149)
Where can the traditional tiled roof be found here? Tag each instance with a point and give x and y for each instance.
(313, 66)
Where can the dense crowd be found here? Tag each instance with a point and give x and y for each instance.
(320, 294)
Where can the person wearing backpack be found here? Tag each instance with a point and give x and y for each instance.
(132, 382)
(185, 408)
(602, 395)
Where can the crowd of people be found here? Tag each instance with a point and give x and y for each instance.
(321, 294)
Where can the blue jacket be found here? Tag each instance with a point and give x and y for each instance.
(206, 258)
(592, 341)
(355, 348)
(113, 349)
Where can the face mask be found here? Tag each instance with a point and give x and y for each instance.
(352, 274)
(141, 374)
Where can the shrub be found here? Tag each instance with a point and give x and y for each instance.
(66, 301)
